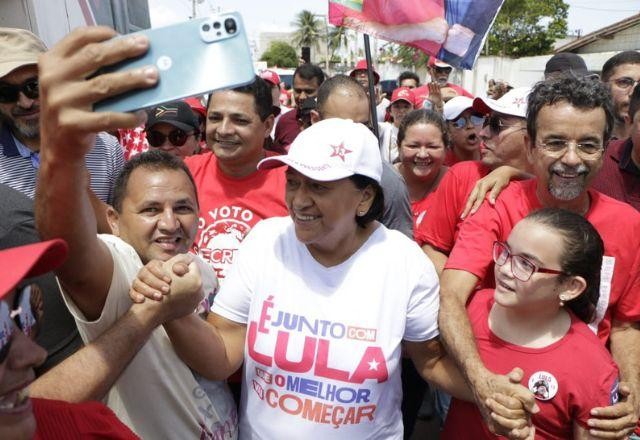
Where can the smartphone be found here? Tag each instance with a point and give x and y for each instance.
(193, 58)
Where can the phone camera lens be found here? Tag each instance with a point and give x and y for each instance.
(230, 26)
(206, 27)
(216, 25)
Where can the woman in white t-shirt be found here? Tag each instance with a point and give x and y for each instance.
(317, 304)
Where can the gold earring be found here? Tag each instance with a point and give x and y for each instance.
(562, 300)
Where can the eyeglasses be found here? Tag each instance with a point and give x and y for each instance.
(176, 137)
(464, 121)
(9, 92)
(521, 267)
(26, 314)
(559, 147)
(625, 82)
(496, 125)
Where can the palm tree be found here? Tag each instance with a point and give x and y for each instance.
(338, 38)
(309, 30)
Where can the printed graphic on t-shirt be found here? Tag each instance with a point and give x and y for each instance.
(543, 385)
(223, 229)
(299, 375)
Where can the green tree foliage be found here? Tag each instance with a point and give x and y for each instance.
(528, 27)
(280, 54)
(337, 40)
(309, 30)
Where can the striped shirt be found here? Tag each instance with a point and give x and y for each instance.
(19, 170)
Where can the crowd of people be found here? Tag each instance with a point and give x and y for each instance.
(228, 266)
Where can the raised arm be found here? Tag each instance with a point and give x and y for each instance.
(68, 129)
(213, 348)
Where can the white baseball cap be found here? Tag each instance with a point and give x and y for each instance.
(332, 149)
(513, 103)
(455, 106)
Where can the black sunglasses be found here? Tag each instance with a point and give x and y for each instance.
(26, 313)
(496, 125)
(177, 137)
(9, 92)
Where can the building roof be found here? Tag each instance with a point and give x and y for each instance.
(604, 33)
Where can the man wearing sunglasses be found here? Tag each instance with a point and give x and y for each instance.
(621, 73)
(174, 128)
(439, 72)
(464, 124)
(502, 143)
(568, 124)
(20, 112)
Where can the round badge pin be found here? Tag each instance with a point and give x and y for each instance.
(164, 62)
(543, 385)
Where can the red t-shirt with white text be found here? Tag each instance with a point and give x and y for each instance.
(568, 378)
(617, 223)
(230, 207)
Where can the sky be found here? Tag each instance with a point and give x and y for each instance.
(277, 15)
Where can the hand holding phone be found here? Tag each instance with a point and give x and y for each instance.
(193, 58)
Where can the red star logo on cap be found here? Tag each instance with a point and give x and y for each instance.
(519, 101)
(339, 151)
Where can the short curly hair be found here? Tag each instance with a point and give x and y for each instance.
(584, 94)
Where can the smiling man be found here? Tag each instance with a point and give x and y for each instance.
(568, 123)
(233, 194)
(20, 142)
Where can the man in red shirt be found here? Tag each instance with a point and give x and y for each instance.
(439, 72)
(233, 194)
(568, 124)
(307, 78)
(621, 73)
(620, 174)
(503, 143)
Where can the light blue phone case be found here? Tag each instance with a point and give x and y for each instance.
(188, 63)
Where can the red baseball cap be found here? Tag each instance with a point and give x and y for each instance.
(197, 106)
(403, 94)
(434, 62)
(28, 261)
(362, 65)
(270, 76)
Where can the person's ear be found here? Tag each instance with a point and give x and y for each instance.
(113, 218)
(571, 288)
(268, 125)
(315, 116)
(366, 200)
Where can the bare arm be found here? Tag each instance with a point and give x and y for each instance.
(68, 128)
(213, 348)
(90, 372)
(619, 420)
(493, 183)
(437, 257)
(436, 367)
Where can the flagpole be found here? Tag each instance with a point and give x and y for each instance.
(372, 94)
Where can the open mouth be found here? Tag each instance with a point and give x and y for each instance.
(473, 138)
(15, 401)
(504, 286)
(304, 218)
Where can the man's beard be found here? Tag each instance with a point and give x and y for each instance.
(26, 129)
(568, 190)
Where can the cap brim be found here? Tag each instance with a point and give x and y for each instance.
(400, 99)
(8, 67)
(29, 261)
(177, 124)
(485, 106)
(322, 173)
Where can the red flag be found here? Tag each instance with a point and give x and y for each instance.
(451, 30)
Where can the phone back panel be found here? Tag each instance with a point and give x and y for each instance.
(187, 65)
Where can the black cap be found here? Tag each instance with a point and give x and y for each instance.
(566, 63)
(177, 113)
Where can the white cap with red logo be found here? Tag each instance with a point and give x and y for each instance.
(332, 149)
(513, 103)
